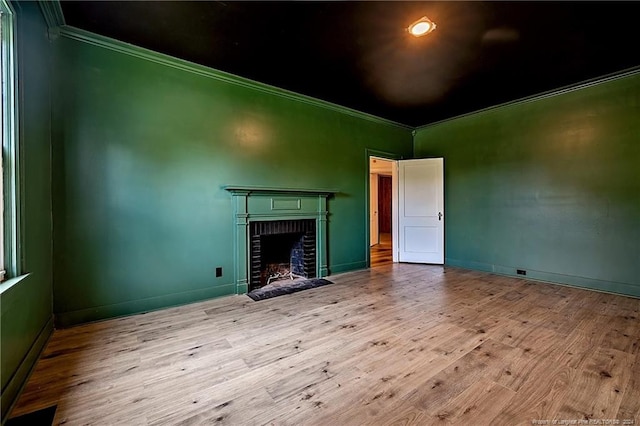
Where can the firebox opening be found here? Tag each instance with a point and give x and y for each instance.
(282, 249)
(282, 257)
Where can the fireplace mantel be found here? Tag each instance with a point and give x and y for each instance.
(256, 203)
(275, 190)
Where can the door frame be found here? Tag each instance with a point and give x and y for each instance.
(394, 200)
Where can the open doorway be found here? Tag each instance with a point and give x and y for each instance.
(380, 211)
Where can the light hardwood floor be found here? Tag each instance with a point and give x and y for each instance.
(396, 344)
(381, 253)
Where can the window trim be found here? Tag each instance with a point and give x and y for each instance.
(11, 262)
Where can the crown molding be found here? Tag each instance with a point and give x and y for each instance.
(549, 94)
(170, 61)
(52, 11)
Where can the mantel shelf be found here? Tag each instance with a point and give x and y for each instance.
(275, 190)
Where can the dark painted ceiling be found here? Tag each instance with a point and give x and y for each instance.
(358, 54)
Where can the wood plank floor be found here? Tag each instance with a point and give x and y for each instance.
(396, 344)
(381, 253)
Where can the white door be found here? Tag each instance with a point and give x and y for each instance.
(373, 209)
(421, 210)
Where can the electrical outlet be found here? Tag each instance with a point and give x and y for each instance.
(218, 271)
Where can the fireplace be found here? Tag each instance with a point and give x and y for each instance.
(278, 233)
(281, 249)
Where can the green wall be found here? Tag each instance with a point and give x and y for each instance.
(550, 185)
(26, 308)
(142, 147)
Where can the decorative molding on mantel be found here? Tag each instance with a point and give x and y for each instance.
(275, 190)
(259, 203)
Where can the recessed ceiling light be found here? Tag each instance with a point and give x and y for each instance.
(422, 26)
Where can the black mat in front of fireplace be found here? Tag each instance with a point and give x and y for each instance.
(267, 293)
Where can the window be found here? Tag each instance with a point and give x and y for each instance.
(9, 223)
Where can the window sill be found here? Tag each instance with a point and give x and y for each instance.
(6, 285)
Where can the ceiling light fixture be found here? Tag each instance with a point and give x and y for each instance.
(422, 26)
